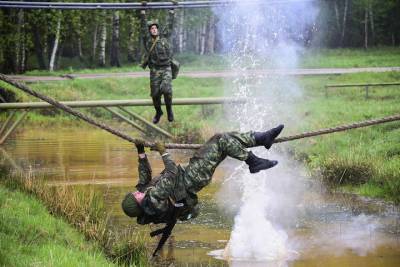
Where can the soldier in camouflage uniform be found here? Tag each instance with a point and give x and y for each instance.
(158, 58)
(173, 192)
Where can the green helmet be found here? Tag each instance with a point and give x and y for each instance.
(130, 206)
(152, 22)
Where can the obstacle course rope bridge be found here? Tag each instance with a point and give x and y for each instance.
(126, 137)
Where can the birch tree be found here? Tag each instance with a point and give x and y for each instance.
(56, 42)
(103, 37)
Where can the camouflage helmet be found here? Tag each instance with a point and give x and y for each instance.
(151, 23)
(130, 206)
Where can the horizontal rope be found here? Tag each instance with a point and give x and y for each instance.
(124, 136)
(140, 5)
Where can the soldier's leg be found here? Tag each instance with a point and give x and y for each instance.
(166, 88)
(204, 162)
(155, 85)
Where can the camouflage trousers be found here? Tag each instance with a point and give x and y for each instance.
(161, 81)
(202, 165)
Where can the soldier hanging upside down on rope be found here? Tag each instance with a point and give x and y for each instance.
(171, 196)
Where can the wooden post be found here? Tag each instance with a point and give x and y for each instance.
(14, 126)
(7, 122)
(366, 92)
(134, 124)
(140, 118)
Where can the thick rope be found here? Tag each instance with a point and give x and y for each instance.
(124, 136)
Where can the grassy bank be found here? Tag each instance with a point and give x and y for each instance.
(367, 160)
(30, 235)
(189, 119)
(309, 58)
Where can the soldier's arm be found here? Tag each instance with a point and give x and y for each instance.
(170, 23)
(144, 170)
(170, 165)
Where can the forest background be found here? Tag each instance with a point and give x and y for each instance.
(54, 39)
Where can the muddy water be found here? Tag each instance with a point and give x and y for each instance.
(325, 234)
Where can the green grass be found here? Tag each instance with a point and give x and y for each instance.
(309, 58)
(367, 159)
(189, 119)
(30, 236)
(351, 58)
(81, 207)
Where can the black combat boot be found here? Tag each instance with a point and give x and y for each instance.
(157, 106)
(267, 138)
(168, 105)
(257, 164)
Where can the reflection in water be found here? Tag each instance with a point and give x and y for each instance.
(79, 157)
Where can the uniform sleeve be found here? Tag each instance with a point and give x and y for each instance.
(170, 24)
(169, 164)
(144, 170)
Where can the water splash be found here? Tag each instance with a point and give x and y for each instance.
(257, 38)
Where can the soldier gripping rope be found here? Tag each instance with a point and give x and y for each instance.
(171, 196)
(163, 68)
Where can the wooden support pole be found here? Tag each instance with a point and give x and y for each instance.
(122, 117)
(149, 124)
(7, 122)
(11, 160)
(14, 126)
(133, 102)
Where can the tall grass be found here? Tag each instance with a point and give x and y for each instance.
(84, 209)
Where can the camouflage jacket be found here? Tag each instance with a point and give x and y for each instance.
(161, 54)
(166, 195)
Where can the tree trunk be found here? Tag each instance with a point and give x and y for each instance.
(38, 47)
(131, 38)
(20, 47)
(337, 16)
(103, 37)
(184, 41)
(371, 19)
(366, 28)
(94, 43)
(197, 41)
(180, 30)
(55, 46)
(211, 35)
(346, 5)
(114, 57)
(203, 37)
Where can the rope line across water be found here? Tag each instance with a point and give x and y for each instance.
(126, 137)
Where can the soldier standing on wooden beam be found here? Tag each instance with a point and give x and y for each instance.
(158, 58)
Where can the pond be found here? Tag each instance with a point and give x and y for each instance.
(333, 230)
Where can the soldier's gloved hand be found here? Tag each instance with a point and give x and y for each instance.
(171, 11)
(140, 146)
(142, 12)
(160, 147)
